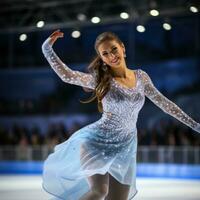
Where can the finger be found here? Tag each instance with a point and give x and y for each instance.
(55, 33)
(59, 34)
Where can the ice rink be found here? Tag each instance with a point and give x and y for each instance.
(29, 188)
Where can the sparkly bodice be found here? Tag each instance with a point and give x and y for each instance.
(121, 105)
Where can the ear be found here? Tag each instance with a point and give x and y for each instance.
(124, 49)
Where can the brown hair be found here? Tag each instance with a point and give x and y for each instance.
(101, 71)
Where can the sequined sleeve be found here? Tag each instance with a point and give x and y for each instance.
(64, 72)
(165, 104)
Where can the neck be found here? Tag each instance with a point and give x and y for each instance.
(120, 71)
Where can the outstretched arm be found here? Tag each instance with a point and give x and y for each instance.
(62, 70)
(165, 104)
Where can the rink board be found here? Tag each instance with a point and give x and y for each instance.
(143, 169)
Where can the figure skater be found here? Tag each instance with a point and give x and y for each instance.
(98, 162)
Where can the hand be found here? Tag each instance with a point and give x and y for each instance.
(55, 35)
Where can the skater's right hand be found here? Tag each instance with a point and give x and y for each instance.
(55, 35)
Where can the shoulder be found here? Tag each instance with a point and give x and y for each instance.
(144, 76)
(142, 73)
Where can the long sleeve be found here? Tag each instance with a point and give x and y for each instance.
(64, 72)
(165, 104)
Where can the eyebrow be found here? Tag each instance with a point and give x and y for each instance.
(111, 48)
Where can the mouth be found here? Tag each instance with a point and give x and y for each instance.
(115, 61)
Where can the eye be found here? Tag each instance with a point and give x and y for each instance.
(105, 54)
(114, 49)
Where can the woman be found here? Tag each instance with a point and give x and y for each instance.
(99, 160)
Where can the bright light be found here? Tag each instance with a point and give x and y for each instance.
(140, 28)
(154, 12)
(167, 26)
(40, 24)
(76, 34)
(81, 17)
(95, 20)
(124, 15)
(194, 9)
(23, 37)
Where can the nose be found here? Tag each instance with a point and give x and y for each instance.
(112, 55)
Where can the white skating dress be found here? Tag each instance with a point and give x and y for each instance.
(107, 145)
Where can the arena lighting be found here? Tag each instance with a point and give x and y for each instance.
(95, 20)
(76, 34)
(194, 9)
(124, 15)
(154, 12)
(81, 17)
(140, 28)
(167, 26)
(23, 37)
(40, 24)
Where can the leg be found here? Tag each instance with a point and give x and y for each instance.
(98, 187)
(99, 184)
(117, 191)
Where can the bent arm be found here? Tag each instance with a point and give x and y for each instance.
(165, 104)
(63, 71)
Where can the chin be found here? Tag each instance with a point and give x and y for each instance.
(117, 64)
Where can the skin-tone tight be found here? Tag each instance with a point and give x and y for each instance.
(105, 187)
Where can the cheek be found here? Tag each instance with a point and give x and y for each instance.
(104, 59)
(121, 53)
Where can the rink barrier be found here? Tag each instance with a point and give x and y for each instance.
(182, 171)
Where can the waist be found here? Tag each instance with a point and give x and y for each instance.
(112, 120)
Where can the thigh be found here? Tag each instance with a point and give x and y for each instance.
(97, 180)
(117, 190)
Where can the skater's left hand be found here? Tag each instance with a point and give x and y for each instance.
(55, 35)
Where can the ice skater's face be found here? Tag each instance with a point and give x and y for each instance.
(112, 53)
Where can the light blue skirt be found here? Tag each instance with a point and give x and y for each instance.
(84, 154)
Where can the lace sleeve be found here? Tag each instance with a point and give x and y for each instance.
(64, 72)
(165, 104)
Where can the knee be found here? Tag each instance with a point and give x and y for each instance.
(101, 191)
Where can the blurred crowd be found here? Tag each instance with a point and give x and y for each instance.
(21, 135)
(46, 105)
(54, 103)
(170, 132)
(67, 97)
(162, 134)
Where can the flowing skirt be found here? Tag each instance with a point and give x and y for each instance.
(87, 152)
